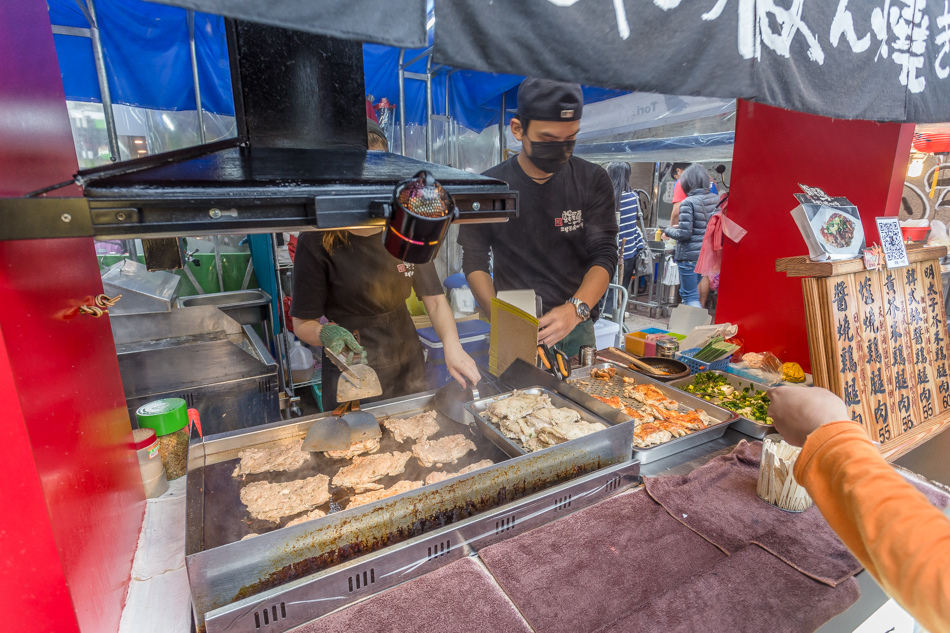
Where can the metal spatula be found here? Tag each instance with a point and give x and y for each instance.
(338, 432)
(357, 382)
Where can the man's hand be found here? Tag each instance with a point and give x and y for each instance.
(461, 366)
(797, 411)
(557, 324)
(337, 338)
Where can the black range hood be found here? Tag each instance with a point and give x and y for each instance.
(300, 159)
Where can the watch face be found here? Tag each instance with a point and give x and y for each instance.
(583, 309)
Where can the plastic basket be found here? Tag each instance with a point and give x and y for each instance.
(696, 366)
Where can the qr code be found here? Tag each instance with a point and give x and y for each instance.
(891, 239)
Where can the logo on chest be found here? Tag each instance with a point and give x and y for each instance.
(570, 221)
(406, 269)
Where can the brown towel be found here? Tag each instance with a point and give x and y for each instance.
(458, 598)
(718, 501)
(750, 591)
(594, 566)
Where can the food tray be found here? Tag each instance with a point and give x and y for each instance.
(721, 417)
(696, 366)
(748, 426)
(512, 447)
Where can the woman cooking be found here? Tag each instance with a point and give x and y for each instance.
(350, 278)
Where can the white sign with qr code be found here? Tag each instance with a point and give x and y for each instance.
(892, 241)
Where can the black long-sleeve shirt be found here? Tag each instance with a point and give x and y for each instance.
(564, 228)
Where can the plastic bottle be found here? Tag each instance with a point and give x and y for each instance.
(301, 363)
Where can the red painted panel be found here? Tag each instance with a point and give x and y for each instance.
(72, 502)
(775, 150)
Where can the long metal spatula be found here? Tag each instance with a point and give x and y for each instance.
(356, 382)
(337, 433)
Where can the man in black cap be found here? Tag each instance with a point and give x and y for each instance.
(563, 244)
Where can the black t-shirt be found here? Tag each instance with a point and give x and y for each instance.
(564, 227)
(358, 279)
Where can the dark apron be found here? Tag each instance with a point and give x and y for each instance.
(393, 351)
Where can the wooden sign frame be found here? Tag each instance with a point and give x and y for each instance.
(879, 340)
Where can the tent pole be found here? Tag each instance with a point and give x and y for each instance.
(194, 74)
(106, 97)
(501, 131)
(429, 108)
(402, 103)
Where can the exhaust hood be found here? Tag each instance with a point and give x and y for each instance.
(300, 159)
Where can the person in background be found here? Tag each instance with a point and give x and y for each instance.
(695, 212)
(563, 244)
(890, 527)
(628, 217)
(349, 278)
(676, 172)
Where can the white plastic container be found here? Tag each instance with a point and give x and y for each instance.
(301, 363)
(606, 333)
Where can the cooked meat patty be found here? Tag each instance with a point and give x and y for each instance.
(265, 460)
(310, 516)
(650, 395)
(649, 434)
(361, 474)
(446, 450)
(376, 495)
(271, 502)
(564, 431)
(517, 405)
(418, 427)
(436, 477)
(357, 448)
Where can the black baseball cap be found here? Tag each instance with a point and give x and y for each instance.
(549, 100)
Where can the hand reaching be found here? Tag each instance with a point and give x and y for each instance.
(557, 324)
(797, 411)
(336, 338)
(461, 366)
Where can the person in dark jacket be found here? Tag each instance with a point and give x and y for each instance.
(695, 212)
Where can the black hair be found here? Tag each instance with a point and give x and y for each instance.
(694, 177)
(620, 177)
(680, 166)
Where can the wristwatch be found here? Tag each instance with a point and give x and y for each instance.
(583, 310)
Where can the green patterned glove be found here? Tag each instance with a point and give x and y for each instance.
(335, 338)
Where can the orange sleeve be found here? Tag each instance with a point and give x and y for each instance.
(899, 537)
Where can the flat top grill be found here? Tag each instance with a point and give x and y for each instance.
(227, 519)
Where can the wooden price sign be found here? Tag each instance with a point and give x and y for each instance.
(878, 339)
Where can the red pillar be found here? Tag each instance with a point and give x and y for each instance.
(775, 150)
(71, 498)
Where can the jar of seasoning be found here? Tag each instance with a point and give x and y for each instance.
(145, 443)
(586, 355)
(667, 348)
(169, 418)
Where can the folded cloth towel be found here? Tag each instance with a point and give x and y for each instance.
(592, 567)
(458, 598)
(718, 501)
(750, 591)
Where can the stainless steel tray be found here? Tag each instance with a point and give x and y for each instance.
(748, 426)
(721, 417)
(511, 447)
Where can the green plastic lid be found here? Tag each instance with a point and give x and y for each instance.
(165, 416)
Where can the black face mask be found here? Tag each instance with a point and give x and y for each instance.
(550, 156)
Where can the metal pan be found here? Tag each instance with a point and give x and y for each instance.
(747, 426)
(721, 417)
(513, 448)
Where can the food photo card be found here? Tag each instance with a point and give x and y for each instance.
(831, 226)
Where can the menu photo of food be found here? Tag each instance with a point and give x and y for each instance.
(831, 226)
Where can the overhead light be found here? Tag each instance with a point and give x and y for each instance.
(916, 166)
(138, 141)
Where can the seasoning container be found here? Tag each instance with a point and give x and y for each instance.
(667, 348)
(169, 418)
(586, 355)
(145, 443)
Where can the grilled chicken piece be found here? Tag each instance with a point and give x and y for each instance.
(310, 516)
(556, 416)
(629, 381)
(604, 374)
(418, 427)
(361, 474)
(358, 448)
(436, 477)
(639, 416)
(694, 420)
(368, 497)
(648, 394)
(675, 429)
(272, 502)
(649, 434)
(517, 405)
(446, 450)
(613, 401)
(565, 431)
(265, 460)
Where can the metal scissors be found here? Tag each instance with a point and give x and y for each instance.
(554, 361)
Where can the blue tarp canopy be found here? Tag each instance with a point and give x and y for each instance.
(148, 61)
